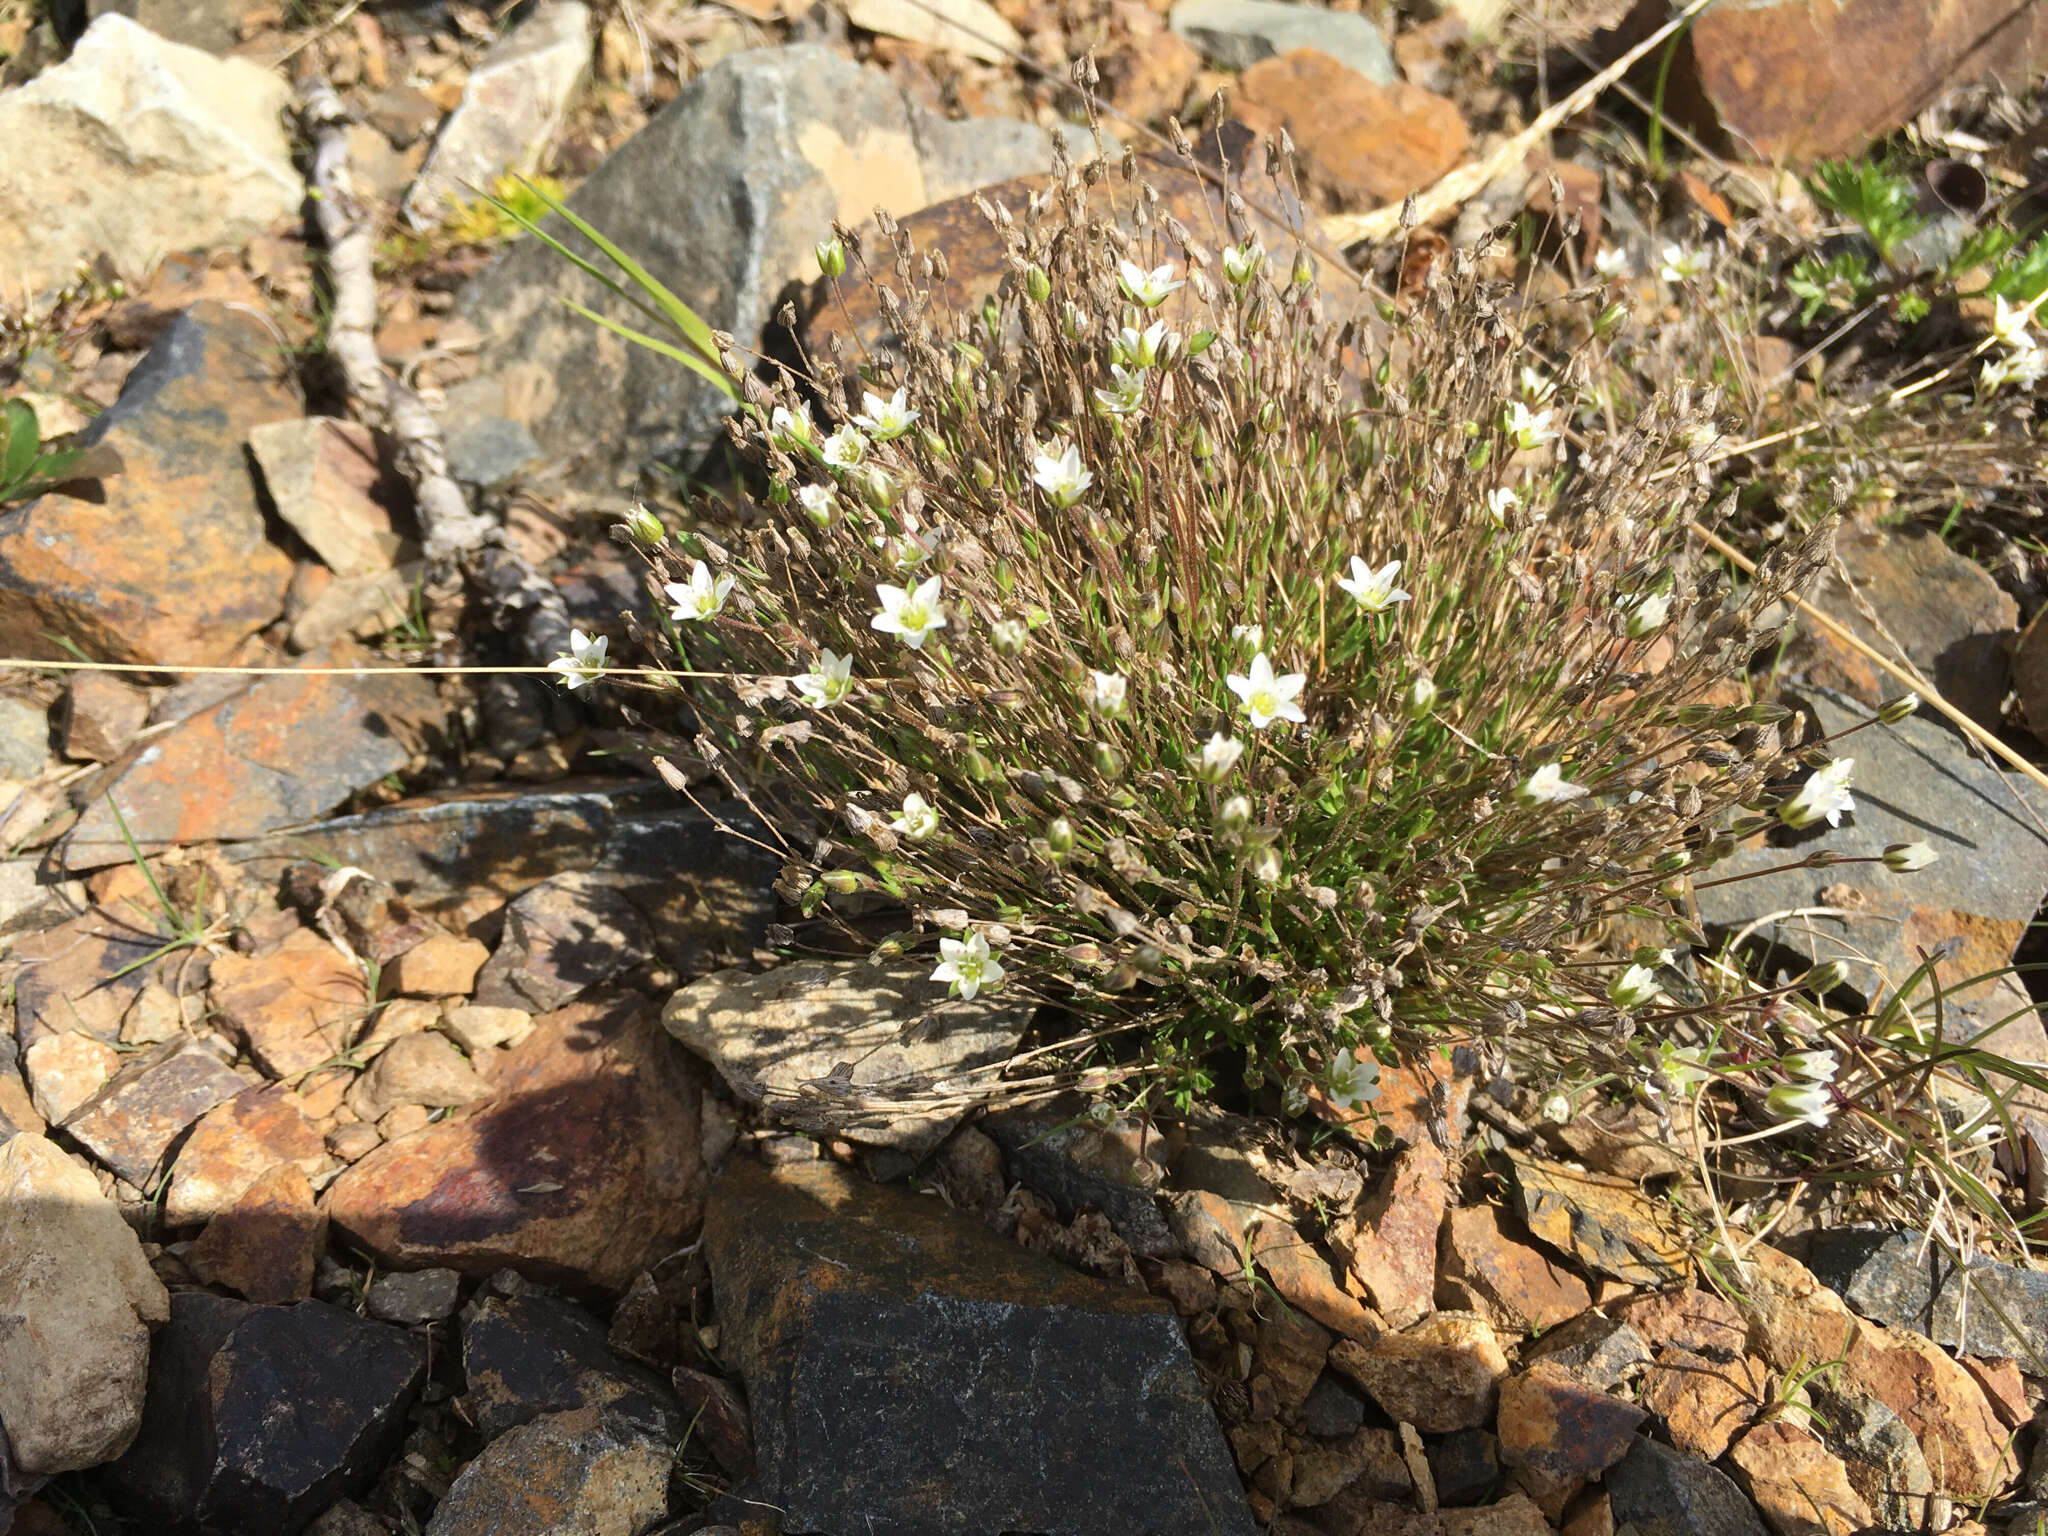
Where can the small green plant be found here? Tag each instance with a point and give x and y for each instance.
(1878, 201)
(29, 466)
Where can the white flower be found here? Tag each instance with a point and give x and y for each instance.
(1252, 637)
(2009, 324)
(845, 448)
(1824, 794)
(968, 965)
(888, 418)
(1611, 262)
(1812, 1066)
(1219, 755)
(820, 503)
(1530, 429)
(1499, 500)
(1061, 475)
(703, 598)
(1138, 349)
(1680, 263)
(919, 819)
(1683, 1067)
(1234, 814)
(830, 683)
(1535, 387)
(1374, 590)
(792, 429)
(1634, 987)
(1241, 263)
(1009, 635)
(1147, 288)
(1645, 615)
(584, 662)
(913, 615)
(1111, 688)
(1268, 697)
(1547, 786)
(1123, 398)
(1354, 1080)
(2024, 366)
(1907, 858)
(1803, 1103)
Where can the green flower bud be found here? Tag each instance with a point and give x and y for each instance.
(831, 256)
(1059, 836)
(1264, 865)
(1037, 284)
(1898, 709)
(1304, 273)
(1234, 814)
(1825, 977)
(1905, 858)
(1420, 697)
(844, 882)
(644, 526)
(1108, 761)
(1671, 863)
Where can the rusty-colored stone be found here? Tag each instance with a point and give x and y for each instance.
(1440, 1375)
(1796, 1483)
(131, 1123)
(1554, 1423)
(63, 1071)
(1685, 1318)
(585, 1169)
(82, 974)
(1362, 143)
(101, 715)
(1518, 1285)
(1151, 78)
(1606, 1223)
(1705, 1401)
(235, 1145)
(1302, 1276)
(1393, 1257)
(444, 965)
(172, 564)
(2004, 1388)
(266, 1244)
(292, 1008)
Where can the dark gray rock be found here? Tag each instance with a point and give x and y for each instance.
(562, 938)
(564, 1474)
(1599, 1350)
(258, 1418)
(1886, 1465)
(721, 197)
(1664, 1492)
(487, 451)
(1237, 34)
(410, 1298)
(1465, 1465)
(1080, 1166)
(912, 1374)
(1333, 1407)
(1914, 782)
(529, 1353)
(1986, 1309)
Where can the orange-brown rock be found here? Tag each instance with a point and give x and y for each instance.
(1392, 1258)
(1554, 1423)
(1797, 1484)
(2004, 1388)
(585, 1169)
(1685, 1318)
(1516, 1284)
(1362, 143)
(169, 561)
(292, 1008)
(234, 1146)
(1302, 1276)
(1150, 79)
(1440, 1375)
(1705, 1401)
(266, 1244)
(443, 965)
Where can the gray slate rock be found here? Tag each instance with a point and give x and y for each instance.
(1887, 1278)
(1236, 34)
(912, 1374)
(1664, 1492)
(562, 938)
(259, 1417)
(1081, 1166)
(721, 197)
(566, 1474)
(529, 1353)
(24, 740)
(410, 1298)
(1885, 1463)
(487, 451)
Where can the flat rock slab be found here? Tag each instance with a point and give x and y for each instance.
(526, 1354)
(910, 1372)
(1914, 782)
(1081, 1166)
(579, 1473)
(260, 1417)
(84, 974)
(338, 485)
(1236, 34)
(131, 1123)
(172, 564)
(561, 938)
(774, 1034)
(1988, 1309)
(584, 1170)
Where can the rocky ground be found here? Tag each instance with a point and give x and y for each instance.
(406, 1123)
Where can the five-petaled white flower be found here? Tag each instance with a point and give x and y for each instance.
(1547, 786)
(1499, 500)
(845, 448)
(1111, 690)
(968, 965)
(884, 419)
(1147, 288)
(819, 502)
(1354, 1080)
(584, 662)
(1634, 987)
(1268, 697)
(1611, 262)
(1219, 755)
(2024, 366)
(1138, 349)
(1645, 615)
(913, 615)
(2009, 323)
(1812, 1066)
(1825, 794)
(1242, 262)
(1680, 263)
(1681, 1066)
(830, 683)
(792, 429)
(1059, 473)
(1374, 590)
(1529, 429)
(1801, 1103)
(703, 598)
(920, 819)
(1123, 398)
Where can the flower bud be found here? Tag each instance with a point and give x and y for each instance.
(1108, 761)
(831, 256)
(1304, 273)
(1824, 978)
(1073, 323)
(1101, 1114)
(1634, 987)
(1037, 284)
(1420, 697)
(1672, 862)
(1269, 415)
(1059, 836)
(1898, 709)
(1265, 865)
(1905, 858)
(1009, 636)
(643, 525)
(978, 767)
(1234, 814)
(844, 882)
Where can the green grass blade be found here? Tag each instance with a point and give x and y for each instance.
(656, 344)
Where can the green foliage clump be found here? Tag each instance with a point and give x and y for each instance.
(1076, 627)
(29, 466)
